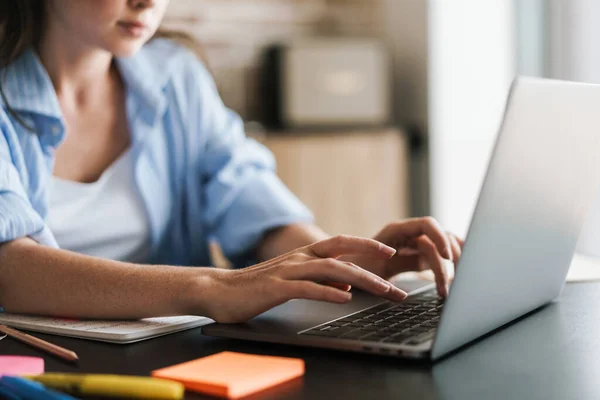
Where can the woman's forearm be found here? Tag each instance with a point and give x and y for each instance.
(282, 240)
(37, 279)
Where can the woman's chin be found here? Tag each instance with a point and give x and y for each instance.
(126, 49)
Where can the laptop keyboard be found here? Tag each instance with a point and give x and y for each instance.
(412, 322)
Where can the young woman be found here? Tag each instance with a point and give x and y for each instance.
(118, 162)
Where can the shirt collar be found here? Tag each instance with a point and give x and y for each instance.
(28, 87)
(146, 74)
(144, 79)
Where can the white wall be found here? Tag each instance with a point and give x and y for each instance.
(574, 54)
(472, 60)
(532, 30)
(573, 34)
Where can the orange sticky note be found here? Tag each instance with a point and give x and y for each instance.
(233, 375)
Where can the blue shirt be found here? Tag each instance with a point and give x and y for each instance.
(199, 176)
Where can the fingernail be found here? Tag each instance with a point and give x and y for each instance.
(447, 289)
(448, 252)
(440, 289)
(401, 294)
(383, 286)
(389, 251)
(343, 297)
(443, 290)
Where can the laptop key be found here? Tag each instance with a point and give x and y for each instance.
(398, 318)
(342, 330)
(388, 314)
(399, 338)
(370, 328)
(355, 325)
(379, 308)
(420, 329)
(420, 319)
(393, 326)
(422, 307)
(403, 327)
(350, 319)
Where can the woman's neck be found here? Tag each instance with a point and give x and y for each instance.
(77, 70)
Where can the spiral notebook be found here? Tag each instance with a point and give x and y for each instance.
(104, 330)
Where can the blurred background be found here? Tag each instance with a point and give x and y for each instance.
(385, 109)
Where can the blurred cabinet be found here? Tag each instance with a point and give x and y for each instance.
(354, 182)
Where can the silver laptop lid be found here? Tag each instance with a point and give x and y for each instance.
(540, 182)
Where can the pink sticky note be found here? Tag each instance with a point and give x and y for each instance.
(19, 365)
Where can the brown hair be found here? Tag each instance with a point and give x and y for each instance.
(21, 26)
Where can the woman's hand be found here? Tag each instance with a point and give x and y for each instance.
(421, 244)
(239, 295)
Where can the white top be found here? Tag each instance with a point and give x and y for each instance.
(104, 219)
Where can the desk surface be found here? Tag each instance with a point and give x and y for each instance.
(552, 354)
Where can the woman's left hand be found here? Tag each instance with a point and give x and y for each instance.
(421, 244)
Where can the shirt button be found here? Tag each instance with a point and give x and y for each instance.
(55, 130)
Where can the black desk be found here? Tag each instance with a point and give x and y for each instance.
(552, 354)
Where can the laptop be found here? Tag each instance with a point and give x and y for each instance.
(540, 182)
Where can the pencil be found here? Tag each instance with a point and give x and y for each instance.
(39, 343)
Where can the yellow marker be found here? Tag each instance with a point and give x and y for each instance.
(130, 387)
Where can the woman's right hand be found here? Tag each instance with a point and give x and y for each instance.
(239, 295)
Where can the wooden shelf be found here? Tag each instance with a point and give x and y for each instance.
(355, 182)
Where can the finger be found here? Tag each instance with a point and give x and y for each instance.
(428, 226)
(344, 244)
(460, 241)
(314, 291)
(429, 251)
(341, 286)
(332, 270)
(456, 250)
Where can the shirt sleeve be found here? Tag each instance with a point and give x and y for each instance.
(17, 216)
(243, 197)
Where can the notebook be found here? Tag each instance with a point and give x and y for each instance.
(233, 375)
(104, 330)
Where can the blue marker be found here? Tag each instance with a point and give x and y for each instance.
(23, 389)
(8, 395)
